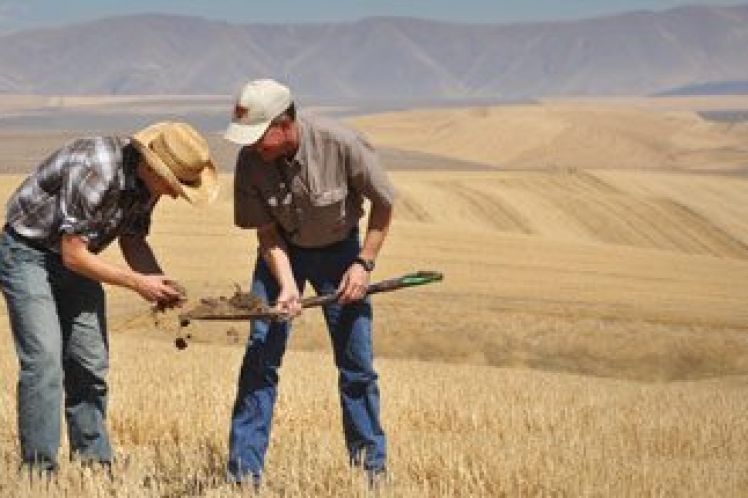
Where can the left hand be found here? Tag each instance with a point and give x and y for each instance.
(173, 301)
(353, 285)
(174, 295)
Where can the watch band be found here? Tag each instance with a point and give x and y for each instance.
(367, 264)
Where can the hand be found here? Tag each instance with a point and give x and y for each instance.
(159, 289)
(289, 301)
(170, 303)
(353, 285)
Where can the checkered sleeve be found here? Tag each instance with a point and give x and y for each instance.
(85, 181)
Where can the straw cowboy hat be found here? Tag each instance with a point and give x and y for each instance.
(178, 154)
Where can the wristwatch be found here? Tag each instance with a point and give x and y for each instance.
(367, 264)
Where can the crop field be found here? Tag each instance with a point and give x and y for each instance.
(454, 430)
(590, 339)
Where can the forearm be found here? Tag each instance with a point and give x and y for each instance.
(151, 287)
(76, 257)
(274, 251)
(380, 218)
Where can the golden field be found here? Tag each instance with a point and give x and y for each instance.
(621, 134)
(589, 338)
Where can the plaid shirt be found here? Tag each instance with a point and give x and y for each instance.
(88, 188)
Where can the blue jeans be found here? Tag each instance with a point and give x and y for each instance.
(349, 327)
(59, 329)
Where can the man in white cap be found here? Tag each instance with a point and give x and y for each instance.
(301, 183)
(80, 199)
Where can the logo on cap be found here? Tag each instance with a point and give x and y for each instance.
(240, 112)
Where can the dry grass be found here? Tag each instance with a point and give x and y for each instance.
(453, 431)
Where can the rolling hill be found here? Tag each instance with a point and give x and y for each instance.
(564, 135)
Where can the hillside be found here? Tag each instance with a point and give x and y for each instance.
(576, 241)
(560, 134)
(622, 274)
(581, 133)
(711, 88)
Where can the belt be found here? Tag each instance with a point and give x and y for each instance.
(35, 244)
(352, 234)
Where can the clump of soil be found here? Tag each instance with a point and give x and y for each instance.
(239, 306)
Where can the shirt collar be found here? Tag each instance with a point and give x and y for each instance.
(132, 183)
(301, 153)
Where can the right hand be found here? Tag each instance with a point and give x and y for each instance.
(158, 289)
(289, 301)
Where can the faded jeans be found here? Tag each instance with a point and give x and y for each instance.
(59, 328)
(349, 327)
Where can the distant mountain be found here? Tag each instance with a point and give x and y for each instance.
(383, 58)
(711, 88)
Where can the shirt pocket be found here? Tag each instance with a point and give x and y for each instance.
(280, 203)
(328, 206)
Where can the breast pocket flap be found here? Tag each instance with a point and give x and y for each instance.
(328, 197)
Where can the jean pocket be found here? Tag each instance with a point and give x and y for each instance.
(7, 252)
(14, 252)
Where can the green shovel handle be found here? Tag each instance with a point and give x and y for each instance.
(409, 280)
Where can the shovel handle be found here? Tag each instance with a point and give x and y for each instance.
(409, 280)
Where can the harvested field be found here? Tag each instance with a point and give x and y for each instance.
(589, 339)
(566, 135)
(454, 431)
(520, 253)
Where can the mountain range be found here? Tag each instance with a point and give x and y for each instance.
(392, 59)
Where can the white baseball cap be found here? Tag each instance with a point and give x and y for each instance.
(259, 102)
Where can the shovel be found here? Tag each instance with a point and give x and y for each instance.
(247, 306)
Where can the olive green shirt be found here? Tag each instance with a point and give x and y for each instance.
(316, 197)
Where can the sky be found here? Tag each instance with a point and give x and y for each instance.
(24, 14)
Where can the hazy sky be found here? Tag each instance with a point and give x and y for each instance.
(21, 14)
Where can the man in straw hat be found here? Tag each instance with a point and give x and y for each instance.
(79, 199)
(301, 182)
